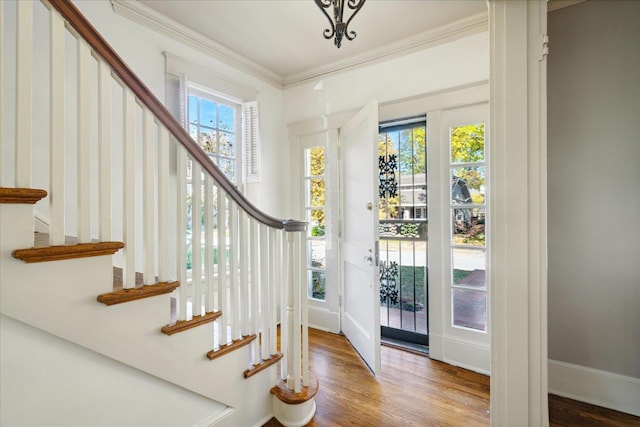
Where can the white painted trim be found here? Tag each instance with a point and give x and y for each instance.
(447, 33)
(602, 388)
(209, 79)
(324, 319)
(41, 222)
(518, 281)
(214, 419)
(147, 17)
(553, 5)
(456, 352)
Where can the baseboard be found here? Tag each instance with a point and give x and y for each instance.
(460, 353)
(602, 388)
(324, 319)
(41, 222)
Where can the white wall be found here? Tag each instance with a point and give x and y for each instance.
(142, 50)
(49, 381)
(449, 65)
(594, 186)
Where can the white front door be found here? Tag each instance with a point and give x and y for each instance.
(360, 308)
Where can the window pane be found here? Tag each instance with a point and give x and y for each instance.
(317, 285)
(193, 132)
(227, 118)
(193, 109)
(227, 144)
(469, 267)
(228, 168)
(207, 113)
(318, 255)
(316, 193)
(468, 185)
(316, 219)
(470, 309)
(207, 140)
(468, 226)
(467, 143)
(315, 161)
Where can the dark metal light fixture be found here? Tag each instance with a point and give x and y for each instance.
(339, 28)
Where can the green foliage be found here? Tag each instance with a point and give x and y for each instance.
(467, 143)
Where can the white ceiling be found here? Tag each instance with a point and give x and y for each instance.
(284, 38)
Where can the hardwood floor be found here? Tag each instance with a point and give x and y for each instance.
(414, 390)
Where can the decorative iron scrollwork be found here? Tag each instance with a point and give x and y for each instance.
(388, 282)
(388, 165)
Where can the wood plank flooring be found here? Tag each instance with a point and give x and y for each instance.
(414, 390)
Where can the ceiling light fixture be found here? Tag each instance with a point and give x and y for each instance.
(339, 28)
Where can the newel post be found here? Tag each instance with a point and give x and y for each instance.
(293, 402)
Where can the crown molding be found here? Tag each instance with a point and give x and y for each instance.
(447, 33)
(553, 5)
(149, 18)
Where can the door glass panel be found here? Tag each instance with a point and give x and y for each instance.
(468, 226)
(470, 309)
(467, 143)
(469, 267)
(314, 197)
(468, 232)
(403, 214)
(468, 185)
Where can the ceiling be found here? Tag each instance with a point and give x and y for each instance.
(283, 39)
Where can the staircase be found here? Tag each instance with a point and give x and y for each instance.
(123, 181)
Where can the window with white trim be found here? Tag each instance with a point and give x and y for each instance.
(467, 207)
(217, 124)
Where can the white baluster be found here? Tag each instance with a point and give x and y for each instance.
(149, 163)
(254, 286)
(56, 123)
(296, 341)
(2, 84)
(222, 265)
(129, 190)
(274, 262)
(181, 227)
(304, 306)
(84, 142)
(164, 271)
(244, 273)
(24, 91)
(265, 287)
(233, 270)
(196, 235)
(285, 317)
(104, 138)
(209, 275)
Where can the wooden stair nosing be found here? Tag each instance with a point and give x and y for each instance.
(263, 365)
(21, 195)
(282, 392)
(134, 294)
(62, 252)
(228, 348)
(184, 325)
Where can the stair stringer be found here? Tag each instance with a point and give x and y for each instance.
(60, 298)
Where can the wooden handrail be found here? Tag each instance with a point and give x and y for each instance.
(84, 28)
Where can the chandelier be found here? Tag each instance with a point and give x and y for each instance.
(339, 28)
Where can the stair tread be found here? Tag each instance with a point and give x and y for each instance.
(184, 325)
(42, 251)
(228, 348)
(263, 365)
(21, 195)
(137, 293)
